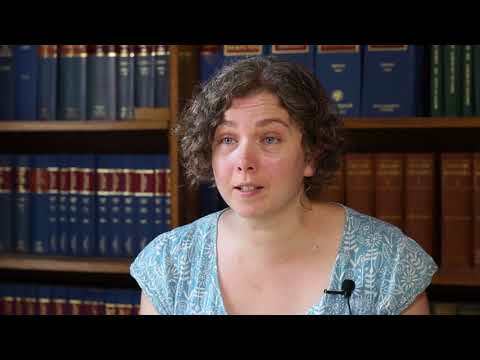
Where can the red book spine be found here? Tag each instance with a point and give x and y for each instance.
(457, 226)
(389, 188)
(333, 191)
(419, 199)
(476, 209)
(360, 183)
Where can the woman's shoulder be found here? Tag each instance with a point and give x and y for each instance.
(382, 243)
(182, 237)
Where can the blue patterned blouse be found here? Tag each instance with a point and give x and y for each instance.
(178, 269)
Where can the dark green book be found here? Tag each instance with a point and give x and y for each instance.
(467, 80)
(452, 90)
(436, 81)
(476, 79)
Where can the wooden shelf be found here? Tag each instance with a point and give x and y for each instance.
(146, 119)
(412, 123)
(457, 278)
(64, 264)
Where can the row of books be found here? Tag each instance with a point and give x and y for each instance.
(39, 299)
(83, 205)
(454, 308)
(455, 80)
(361, 80)
(433, 198)
(81, 82)
(378, 80)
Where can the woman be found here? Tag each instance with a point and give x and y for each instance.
(261, 130)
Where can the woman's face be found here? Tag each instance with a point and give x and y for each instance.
(257, 157)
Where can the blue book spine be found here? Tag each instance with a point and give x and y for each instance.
(40, 204)
(101, 82)
(167, 199)
(299, 54)
(47, 83)
(22, 216)
(162, 75)
(103, 186)
(144, 76)
(144, 205)
(232, 53)
(6, 202)
(73, 205)
(7, 83)
(115, 203)
(86, 205)
(125, 82)
(392, 77)
(72, 88)
(211, 59)
(53, 196)
(63, 204)
(159, 167)
(128, 207)
(339, 70)
(26, 75)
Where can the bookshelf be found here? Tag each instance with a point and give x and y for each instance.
(64, 264)
(148, 133)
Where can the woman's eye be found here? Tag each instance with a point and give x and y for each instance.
(270, 140)
(227, 140)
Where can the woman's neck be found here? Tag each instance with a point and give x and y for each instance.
(274, 238)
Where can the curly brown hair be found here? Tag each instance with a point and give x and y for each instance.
(299, 92)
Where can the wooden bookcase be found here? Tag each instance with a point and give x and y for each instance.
(417, 134)
(148, 133)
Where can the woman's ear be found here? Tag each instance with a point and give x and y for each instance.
(312, 161)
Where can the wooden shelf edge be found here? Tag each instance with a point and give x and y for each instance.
(64, 264)
(146, 119)
(412, 123)
(457, 278)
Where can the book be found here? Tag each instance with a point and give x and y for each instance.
(389, 188)
(339, 70)
(476, 209)
(233, 53)
(144, 76)
(47, 82)
(420, 193)
(101, 82)
(452, 74)
(72, 82)
(125, 82)
(360, 182)
(334, 191)
(6, 202)
(53, 199)
(162, 75)
(22, 203)
(467, 79)
(303, 55)
(457, 226)
(476, 79)
(210, 61)
(40, 204)
(85, 188)
(393, 80)
(25, 58)
(436, 81)
(7, 83)
(63, 209)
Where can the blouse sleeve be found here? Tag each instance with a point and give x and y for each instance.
(153, 270)
(408, 273)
